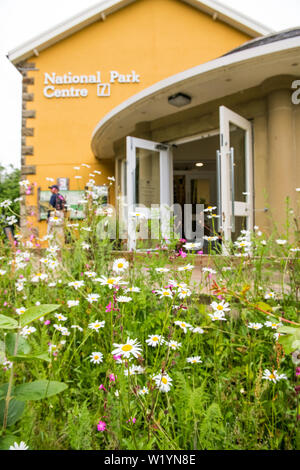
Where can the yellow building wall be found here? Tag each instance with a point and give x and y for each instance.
(155, 38)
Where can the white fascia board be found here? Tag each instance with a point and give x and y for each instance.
(241, 57)
(65, 29)
(93, 14)
(232, 17)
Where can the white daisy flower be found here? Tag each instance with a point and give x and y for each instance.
(273, 376)
(21, 446)
(120, 265)
(131, 347)
(20, 310)
(270, 295)
(162, 270)
(217, 316)
(77, 327)
(194, 360)
(96, 325)
(210, 238)
(197, 329)
(72, 303)
(210, 209)
(183, 325)
(85, 246)
(96, 357)
(26, 331)
(163, 382)
(132, 289)
(183, 293)
(109, 281)
(133, 370)
(39, 277)
(123, 299)
(164, 293)
(281, 242)
(144, 391)
(188, 267)
(60, 317)
(90, 274)
(173, 345)
(255, 326)
(192, 245)
(154, 340)
(221, 306)
(273, 325)
(209, 270)
(92, 298)
(76, 284)
(2, 272)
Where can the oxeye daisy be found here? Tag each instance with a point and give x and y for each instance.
(60, 317)
(255, 326)
(132, 289)
(273, 376)
(270, 295)
(76, 284)
(183, 293)
(131, 347)
(120, 265)
(124, 299)
(20, 310)
(154, 340)
(273, 325)
(188, 267)
(164, 293)
(162, 270)
(173, 345)
(220, 307)
(194, 359)
(163, 382)
(183, 325)
(96, 325)
(96, 357)
(109, 281)
(217, 316)
(92, 298)
(144, 391)
(197, 329)
(21, 446)
(72, 303)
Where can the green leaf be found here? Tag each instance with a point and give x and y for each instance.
(23, 345)
(27, 357)
(7, 323)
(290, 341)
(3, 391)
(33, 313)
(38, 390)
(7, 441)
(15, 411)
(264, 306)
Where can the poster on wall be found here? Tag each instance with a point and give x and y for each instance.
(73, 198)
(63, 184)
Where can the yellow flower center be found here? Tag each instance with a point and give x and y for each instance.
(274, 324)
(183, 325)
(155, 338)
(166, 293)
(96, 357)
(164, 380)
(120, 265)
(110, 281)
(126, 347)
(97, 325)
(272, 376)
(194, 360)
(220, 307)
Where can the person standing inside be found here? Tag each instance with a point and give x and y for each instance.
(56, 215)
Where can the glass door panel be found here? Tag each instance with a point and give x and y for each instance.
(235, 174)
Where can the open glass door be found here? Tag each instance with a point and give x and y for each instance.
(235, 174)
(149, 184)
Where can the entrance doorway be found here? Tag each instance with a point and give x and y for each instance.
(214, 169)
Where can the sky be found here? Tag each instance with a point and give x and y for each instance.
(20, 20)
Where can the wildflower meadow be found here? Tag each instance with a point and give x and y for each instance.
(166, 348)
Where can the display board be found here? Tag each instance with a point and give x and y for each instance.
(73, 198)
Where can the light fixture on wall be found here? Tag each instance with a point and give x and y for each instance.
(179, 99)
(199, 164)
